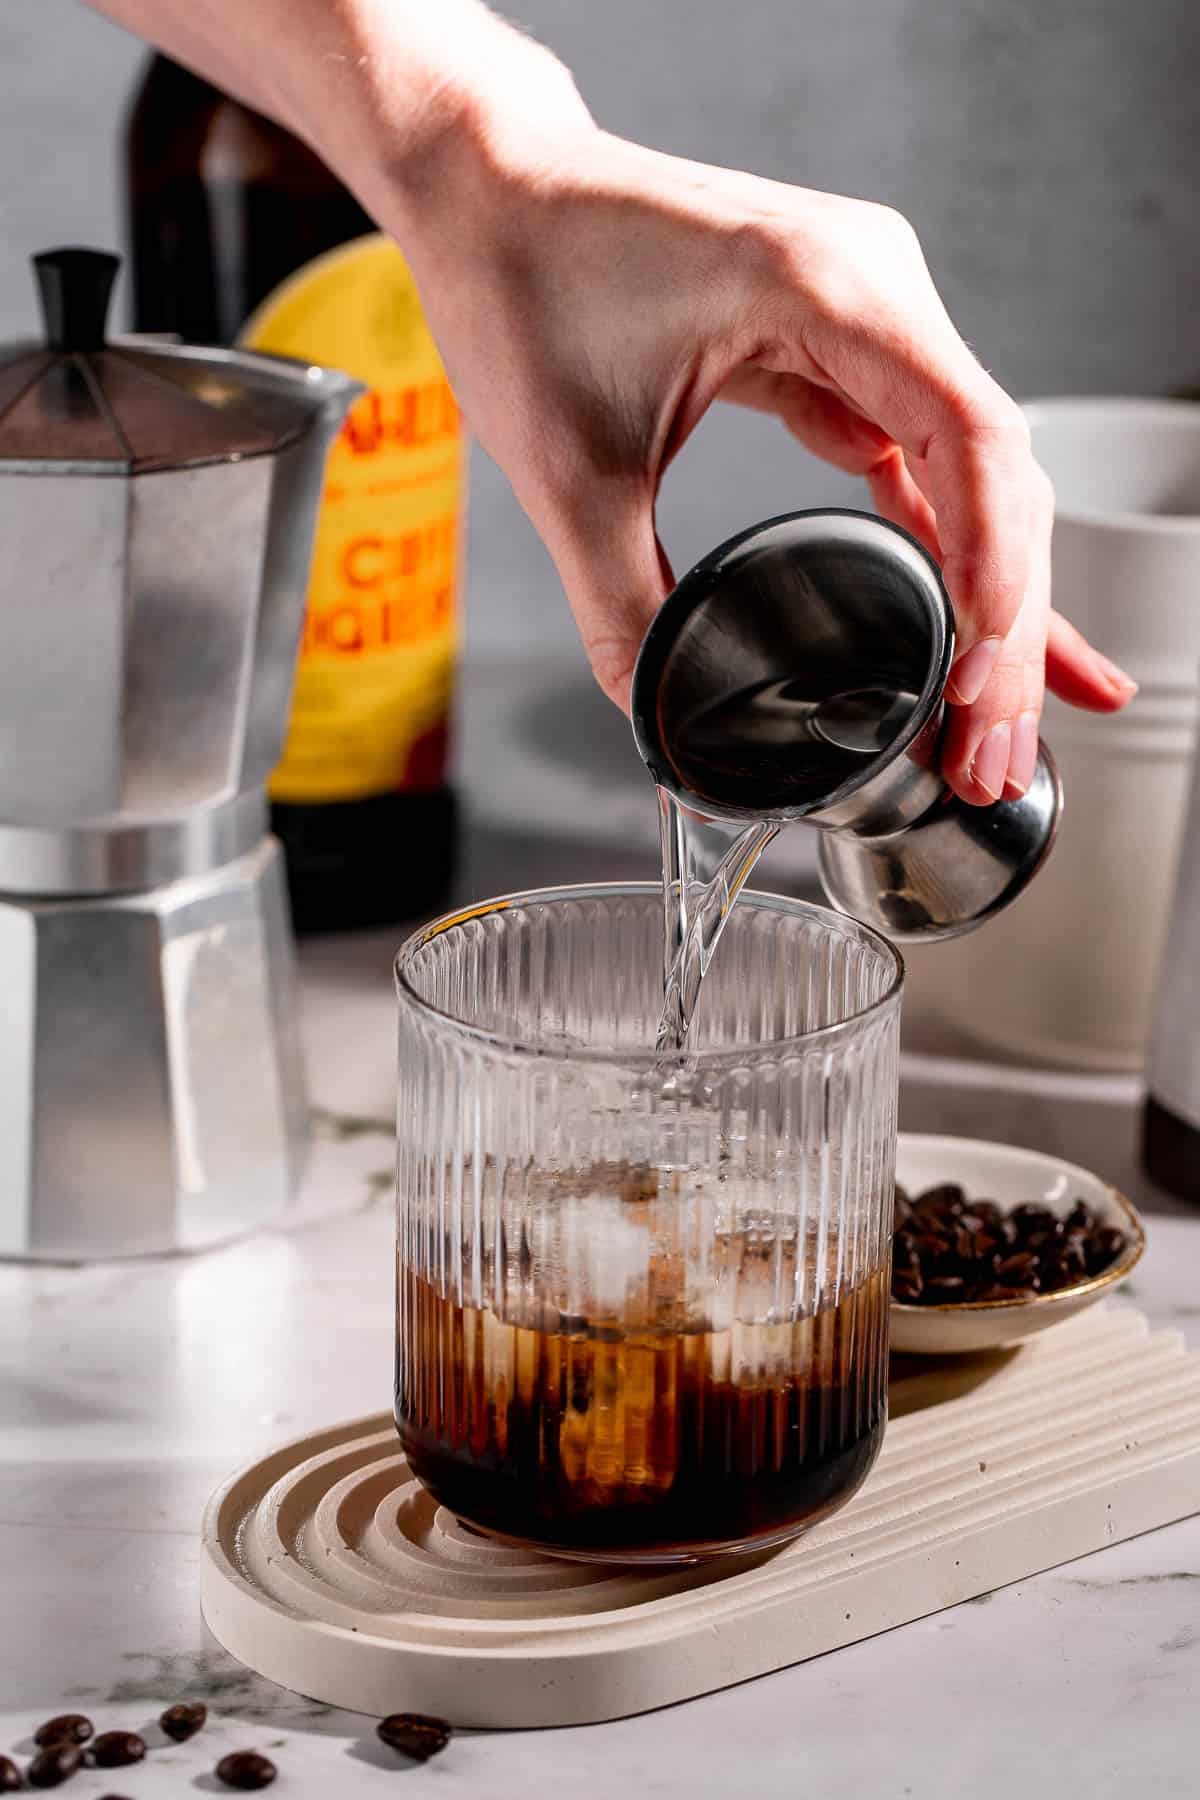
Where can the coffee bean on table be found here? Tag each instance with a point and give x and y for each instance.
(414, 1734)
(54, 1765)
(183, 1720)
(10, 1775)
(246, 1769)
(63, 1728)
(117, 1749)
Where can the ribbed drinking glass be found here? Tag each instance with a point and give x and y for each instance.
(643, 1305)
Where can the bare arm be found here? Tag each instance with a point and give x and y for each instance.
(591, 298)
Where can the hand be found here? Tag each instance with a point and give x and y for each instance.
(593, 298)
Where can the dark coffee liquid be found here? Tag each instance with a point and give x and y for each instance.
(599, 1439)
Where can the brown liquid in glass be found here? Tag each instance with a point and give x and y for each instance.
(619, 1441)
(658, 1438)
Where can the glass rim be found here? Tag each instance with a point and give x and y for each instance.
(451, 1024)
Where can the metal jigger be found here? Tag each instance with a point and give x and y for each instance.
(797, 672)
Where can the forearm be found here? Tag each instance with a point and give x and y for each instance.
(382, 89)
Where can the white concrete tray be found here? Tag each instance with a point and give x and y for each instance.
(328, 1569)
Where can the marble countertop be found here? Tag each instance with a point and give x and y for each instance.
(128, 1392)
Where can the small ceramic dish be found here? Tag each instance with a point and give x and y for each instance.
(1008, 1175)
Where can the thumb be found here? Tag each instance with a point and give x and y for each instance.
(616, 575)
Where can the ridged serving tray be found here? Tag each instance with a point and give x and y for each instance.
(328, 1569)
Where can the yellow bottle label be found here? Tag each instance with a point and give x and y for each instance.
(374, 681)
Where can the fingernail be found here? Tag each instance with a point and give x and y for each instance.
(990, 764)
(1116, 677)
(1022, 756)
(968, 677)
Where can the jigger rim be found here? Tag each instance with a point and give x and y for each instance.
(691, 591)
(452, 1026)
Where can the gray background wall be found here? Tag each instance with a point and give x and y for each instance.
(1048, 151)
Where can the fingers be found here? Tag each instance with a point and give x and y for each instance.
(615, 572)
(820, 418)
(892, 350)
(898, 498)
(992, 504)
(989, 749)
(836, 432)
(994, 514)
(1080, 675)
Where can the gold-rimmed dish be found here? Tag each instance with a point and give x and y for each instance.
(1010, 1176)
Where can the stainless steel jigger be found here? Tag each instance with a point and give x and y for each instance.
(797, 672)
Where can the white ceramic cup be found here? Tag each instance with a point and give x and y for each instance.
(1067, 975)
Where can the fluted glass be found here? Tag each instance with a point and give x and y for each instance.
(641, 1306)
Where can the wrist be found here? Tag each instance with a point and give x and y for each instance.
(433, 118)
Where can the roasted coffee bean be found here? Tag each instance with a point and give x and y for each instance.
(246, 1769)
(947, 1248)
(964, 1244)
(54, 1765)
(949, 1195)
(1028, 1218)
(64, 1728)
(415, 1734)
(1018, 1270)
(977, 1246)
(944, 1290)
(183, 1720)
(1109, 1244)
(117, 1749)
(1060, 1272)
(988, 1213)
(10, 1775)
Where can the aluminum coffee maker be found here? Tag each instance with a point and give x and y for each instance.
(157, 508)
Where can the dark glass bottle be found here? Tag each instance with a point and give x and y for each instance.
(223, 207)
(1171, 1112)
(1171, 1150)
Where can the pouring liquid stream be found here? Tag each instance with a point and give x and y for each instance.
(696, 905)
(707, 862)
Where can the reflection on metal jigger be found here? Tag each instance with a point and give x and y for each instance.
(798, 672)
